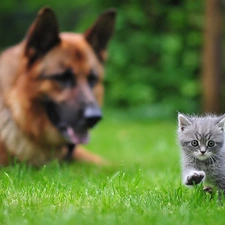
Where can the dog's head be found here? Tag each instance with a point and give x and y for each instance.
(65, 72)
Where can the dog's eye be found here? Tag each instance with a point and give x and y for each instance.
(194, 143)
(92, 79)
(66, 79)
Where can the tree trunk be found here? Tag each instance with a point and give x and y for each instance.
(212, 58)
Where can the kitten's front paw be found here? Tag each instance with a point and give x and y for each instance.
(194, 177)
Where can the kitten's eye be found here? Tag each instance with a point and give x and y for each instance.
(194, 143)
(211, 144)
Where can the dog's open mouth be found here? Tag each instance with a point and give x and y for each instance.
(76, 137)
(73, 124)
(73, 136)
(70, 133)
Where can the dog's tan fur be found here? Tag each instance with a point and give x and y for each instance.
(25, 131)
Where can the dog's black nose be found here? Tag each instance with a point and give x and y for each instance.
(92, 115)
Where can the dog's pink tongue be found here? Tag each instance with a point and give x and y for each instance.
(77, 138)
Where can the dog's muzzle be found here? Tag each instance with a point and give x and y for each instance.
(73, 123)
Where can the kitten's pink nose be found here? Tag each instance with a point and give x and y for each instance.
(202, 150)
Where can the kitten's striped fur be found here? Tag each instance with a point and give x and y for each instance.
(202, 149)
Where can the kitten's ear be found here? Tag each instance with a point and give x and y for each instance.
(183, 121)
(221, 122)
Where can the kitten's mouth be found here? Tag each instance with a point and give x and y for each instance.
(202, 156)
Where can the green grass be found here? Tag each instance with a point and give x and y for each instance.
(142, 185)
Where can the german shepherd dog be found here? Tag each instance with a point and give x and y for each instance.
(51, 91)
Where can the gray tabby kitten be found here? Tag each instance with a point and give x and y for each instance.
(202, 149)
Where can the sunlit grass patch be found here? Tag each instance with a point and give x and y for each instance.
(141, 186)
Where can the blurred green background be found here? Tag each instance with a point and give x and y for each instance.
(154, 63)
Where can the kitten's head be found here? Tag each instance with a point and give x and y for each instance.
(201, 137)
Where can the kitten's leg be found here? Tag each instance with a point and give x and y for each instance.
(194, 177)
(208, 189)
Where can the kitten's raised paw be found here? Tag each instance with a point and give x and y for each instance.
(195, 178)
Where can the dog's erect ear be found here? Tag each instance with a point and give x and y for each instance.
(100, 33)
(42, 35)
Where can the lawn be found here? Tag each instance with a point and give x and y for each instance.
(141, 186)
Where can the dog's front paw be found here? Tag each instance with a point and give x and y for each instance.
(195, 177)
